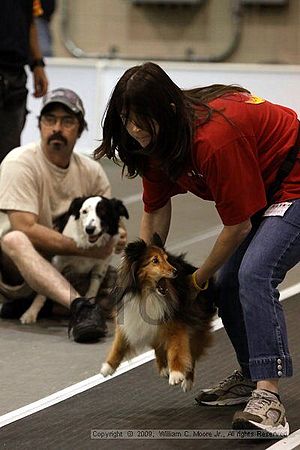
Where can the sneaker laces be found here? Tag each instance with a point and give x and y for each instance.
(235, 376)
(256, 402)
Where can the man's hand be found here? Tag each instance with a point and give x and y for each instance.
(120, 245)
(102, 252)
(40, 82)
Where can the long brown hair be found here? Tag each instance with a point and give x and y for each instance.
(148, 92)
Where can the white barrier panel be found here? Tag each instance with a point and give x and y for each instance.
(94, 81)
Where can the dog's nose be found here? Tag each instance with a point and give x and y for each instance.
(90, 229)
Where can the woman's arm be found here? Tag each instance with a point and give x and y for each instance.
(157, 221)
(227, 242)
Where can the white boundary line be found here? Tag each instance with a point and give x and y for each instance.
(72, 390)
(199, 237)
(84, 385)
(133, 198)
(288, 443)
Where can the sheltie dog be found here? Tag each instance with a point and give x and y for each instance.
(154, 309)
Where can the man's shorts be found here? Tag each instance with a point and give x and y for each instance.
(17, 299)
(10, 293)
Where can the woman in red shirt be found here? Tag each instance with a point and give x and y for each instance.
(222, 144)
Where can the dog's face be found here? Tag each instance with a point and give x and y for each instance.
(148, 264)
(98, 216)
(155, 266)
(90, 220)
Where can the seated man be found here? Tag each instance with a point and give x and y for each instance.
(38, 181)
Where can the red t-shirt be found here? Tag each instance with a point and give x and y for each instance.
(235, 158)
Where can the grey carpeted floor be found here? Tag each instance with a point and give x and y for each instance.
(140, 400)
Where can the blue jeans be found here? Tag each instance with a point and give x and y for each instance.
(249, 299)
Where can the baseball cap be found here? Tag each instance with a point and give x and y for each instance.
(66, 97)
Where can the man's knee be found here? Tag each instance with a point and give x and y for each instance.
(14, 242)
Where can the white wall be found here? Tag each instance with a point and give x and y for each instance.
(94, 81)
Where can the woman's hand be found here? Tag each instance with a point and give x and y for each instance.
(120, 245)
(195, 285)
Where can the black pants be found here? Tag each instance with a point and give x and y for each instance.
(13, 98)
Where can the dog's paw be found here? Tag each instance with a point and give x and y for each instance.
(28, 317)
(164, 372)
(186, 385)
(176, 377)
(106, 369)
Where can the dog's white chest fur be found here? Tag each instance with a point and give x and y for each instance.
(139, 319)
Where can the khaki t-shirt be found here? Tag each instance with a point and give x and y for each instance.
(29, 182)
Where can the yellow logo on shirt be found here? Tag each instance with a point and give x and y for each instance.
(254, 100)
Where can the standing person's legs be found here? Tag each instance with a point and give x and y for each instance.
(274, 250)
(237, 387)
(13, 99)
(229, 305)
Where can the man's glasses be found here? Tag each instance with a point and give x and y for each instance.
(49, 120)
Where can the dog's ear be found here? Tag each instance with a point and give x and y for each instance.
(156, 240)
(120, 208)
(135, 250)
(75, 206)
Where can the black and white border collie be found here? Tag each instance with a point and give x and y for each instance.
(154, 309)
(90, 221)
